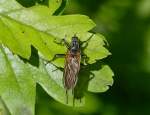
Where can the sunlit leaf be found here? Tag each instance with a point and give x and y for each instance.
(101, 80)
(9, 5)
(95, 49)
(17, 87)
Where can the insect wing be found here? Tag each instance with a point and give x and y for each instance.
(71, 70)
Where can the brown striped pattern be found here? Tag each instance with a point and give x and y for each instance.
(71, 70)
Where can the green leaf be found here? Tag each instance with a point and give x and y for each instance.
(58, 26)
(17, 87)
(50, 78)
(101, 80)
(23, 37)
(3, 109)
(26, 75)
(37, 27)
(21, 83)
(95, 49)
(26, 32)
(8, 6)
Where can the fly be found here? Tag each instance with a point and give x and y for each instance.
(72, 65)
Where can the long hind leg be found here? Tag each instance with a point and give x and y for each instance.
(73, 97)
(66, 96)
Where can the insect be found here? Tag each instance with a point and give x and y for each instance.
(72, 65)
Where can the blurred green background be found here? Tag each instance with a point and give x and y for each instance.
(126, 25)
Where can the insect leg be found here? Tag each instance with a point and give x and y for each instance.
(72, 91)
(55, 57)
(66, 96)
(92, 76)
(65, 42)
(86, 42)
(73, 100)
(84, 57)
(58, 56)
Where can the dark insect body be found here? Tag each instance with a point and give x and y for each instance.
(72, 66)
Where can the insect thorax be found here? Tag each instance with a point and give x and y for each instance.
(74, 45)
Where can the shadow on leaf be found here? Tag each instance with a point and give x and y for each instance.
(84, 77)
(34, 58)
